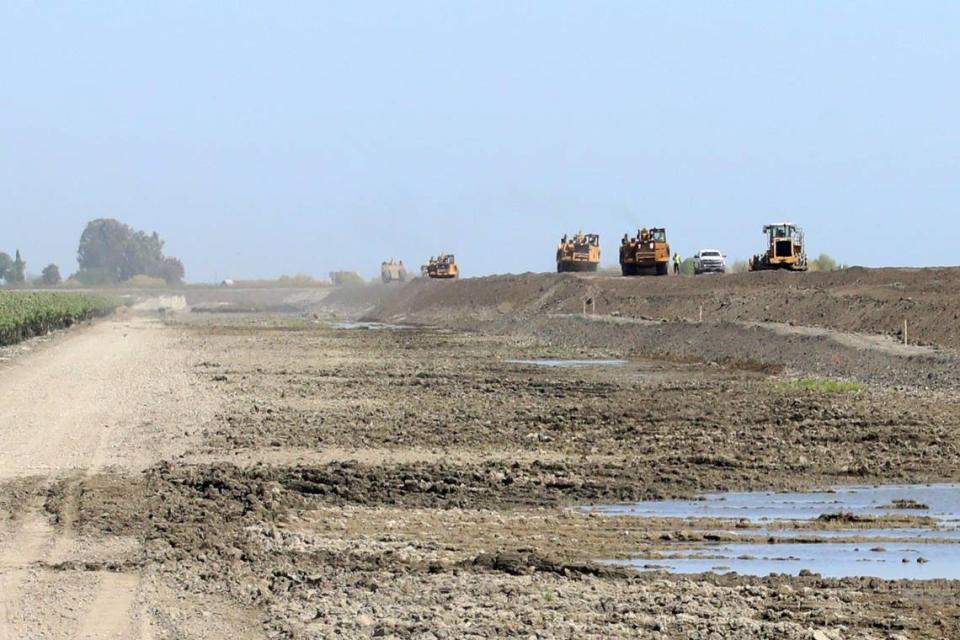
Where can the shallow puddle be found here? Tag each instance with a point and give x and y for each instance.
(871, 534)
(372, 326)
(942, 502)
(888, 553)
(831, 560)
(570, 363)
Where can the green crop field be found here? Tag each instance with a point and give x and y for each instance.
(26, 314)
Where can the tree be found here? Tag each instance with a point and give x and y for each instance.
(6, 265)
(171, 270)
(94, 277)
(102, 246)
(51, 275)
(824, 263)
(18, 273)
(346, 278)
(112, 252)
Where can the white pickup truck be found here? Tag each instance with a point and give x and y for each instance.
(709, 261)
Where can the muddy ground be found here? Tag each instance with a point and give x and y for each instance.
(414, 483)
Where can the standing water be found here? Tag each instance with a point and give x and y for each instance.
(898, 552)
(546, 362)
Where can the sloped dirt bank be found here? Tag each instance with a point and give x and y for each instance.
(817, 326)
(870, 301)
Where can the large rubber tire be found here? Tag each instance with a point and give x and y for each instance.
(628, 269)
(663, 269)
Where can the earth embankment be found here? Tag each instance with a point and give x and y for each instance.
(845, 324)
(871, 301)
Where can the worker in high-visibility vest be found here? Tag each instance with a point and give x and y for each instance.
(676, 263)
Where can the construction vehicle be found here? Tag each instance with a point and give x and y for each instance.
(579, 253)
(647, 254)
(443, 267)
(786, 249)
(393, 271)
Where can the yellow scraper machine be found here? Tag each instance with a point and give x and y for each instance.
(646, 254)
(393, 271)
(786, 249)
(443, 267)
(579, 253)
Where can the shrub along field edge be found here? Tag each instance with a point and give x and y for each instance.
(25, 314)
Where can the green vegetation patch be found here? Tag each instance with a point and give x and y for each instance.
(26, 314)
(822, 385)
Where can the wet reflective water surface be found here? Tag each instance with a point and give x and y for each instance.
(373, 326)
(570, 363)
(903, 551)
(831, 560)
(942, 502)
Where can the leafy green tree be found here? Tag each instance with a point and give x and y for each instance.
(171, 270)
(112, 252)
(686, 267)
(825, 263)
(51, 275)
(18, 272)
(6, 265)
(94, 277)
(346, 278)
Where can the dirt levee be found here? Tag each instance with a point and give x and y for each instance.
(845, 324)
(357, 300)
(874, 301)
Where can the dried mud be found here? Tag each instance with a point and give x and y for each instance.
(415, 484)
(448, 516)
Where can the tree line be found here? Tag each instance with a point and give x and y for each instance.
(110, 252)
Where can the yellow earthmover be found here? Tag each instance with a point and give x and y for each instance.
(786, 249)
(646, 254)
(579, 253)
(393, 271)
(443, 267)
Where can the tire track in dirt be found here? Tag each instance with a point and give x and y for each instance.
(110, 613)
(36, 542)
(116, 395)
(109, 617)
(26, 544)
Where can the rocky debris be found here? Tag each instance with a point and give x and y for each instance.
(844, 518)
(906, 504)
(520, 563)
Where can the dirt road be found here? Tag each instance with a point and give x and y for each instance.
(112, 397)
(107, 396)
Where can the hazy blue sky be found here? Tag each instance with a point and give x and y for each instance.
(280, 137)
